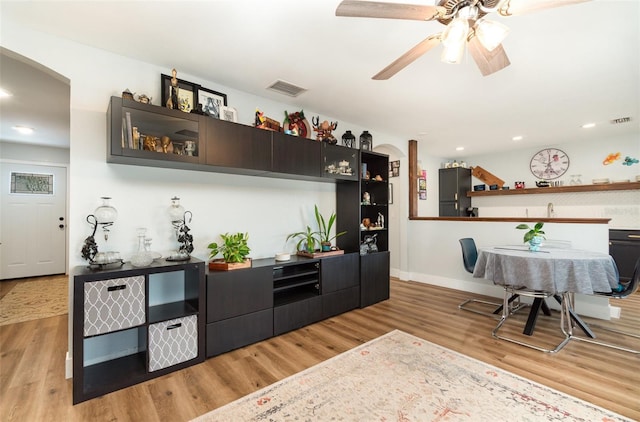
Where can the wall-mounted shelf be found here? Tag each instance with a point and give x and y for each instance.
(560, 189)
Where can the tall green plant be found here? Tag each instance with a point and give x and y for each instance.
(234, 248)
(324, 229)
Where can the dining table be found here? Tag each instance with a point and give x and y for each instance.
(559, 271)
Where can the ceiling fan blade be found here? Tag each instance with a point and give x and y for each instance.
(408, 57)
(521, 7)
(376, 9)
(488, 61)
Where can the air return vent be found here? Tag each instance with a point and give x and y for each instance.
(620, 120)
(286, 88)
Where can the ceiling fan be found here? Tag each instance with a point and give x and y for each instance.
(465, 25)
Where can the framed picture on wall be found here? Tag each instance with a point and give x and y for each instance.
(211, 101)
(184, 93)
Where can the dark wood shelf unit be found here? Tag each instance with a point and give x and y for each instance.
(172, 310)
(559, 189)
(126, 360)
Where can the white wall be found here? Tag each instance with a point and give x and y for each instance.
(220, 203)
(35, 154)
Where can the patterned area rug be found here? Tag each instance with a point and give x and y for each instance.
(35, 299)
(400, 377)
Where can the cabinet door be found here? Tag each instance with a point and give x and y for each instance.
(297, 156)
(374, 278)
(340, 272)
(238, 292)
(296, 314)
(232, 145)
(240, 331)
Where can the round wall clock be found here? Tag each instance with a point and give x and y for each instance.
(549, 163)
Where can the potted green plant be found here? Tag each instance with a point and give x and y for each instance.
(234, 249)
(533, 236)
(307, 241)
(324, 230)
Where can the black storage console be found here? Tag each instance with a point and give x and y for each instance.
(272, 297)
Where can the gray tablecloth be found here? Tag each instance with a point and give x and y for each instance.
(553, 270)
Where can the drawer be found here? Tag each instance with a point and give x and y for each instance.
(172, 342)
(114, 304)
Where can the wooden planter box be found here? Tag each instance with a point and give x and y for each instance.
(319, 254)
(221, 265)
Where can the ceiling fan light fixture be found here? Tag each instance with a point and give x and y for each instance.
(452, 54)
(491, 33)
(455, 33)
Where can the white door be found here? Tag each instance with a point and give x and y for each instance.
(33, 220)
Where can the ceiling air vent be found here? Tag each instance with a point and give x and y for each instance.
(286, 88)
(620, 120)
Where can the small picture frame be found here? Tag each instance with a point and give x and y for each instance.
(211, 101)
(187, 94)
(229, 114)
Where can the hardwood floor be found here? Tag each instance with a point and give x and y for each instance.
(32, 354)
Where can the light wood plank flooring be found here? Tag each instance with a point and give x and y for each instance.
(32, 354)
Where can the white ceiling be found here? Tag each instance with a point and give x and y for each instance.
(569, 65)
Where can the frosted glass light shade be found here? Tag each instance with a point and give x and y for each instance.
(105, 213)
(491, 33)
(455, 33)
(452, 54)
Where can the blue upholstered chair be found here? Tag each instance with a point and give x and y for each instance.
(624, 291)
(469, 258)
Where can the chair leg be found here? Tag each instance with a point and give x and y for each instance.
(506, 314)
(603, 343)
(498, 310)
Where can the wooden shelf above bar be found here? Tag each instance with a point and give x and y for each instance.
(560, 189)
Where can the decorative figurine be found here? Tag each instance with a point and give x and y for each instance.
(144, 99)
(150, 143)
(324, 130)
(259, 119)
(296, 119)
(173, 102)
(127, 95)
(166, 144)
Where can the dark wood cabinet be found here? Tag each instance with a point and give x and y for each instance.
(340, 281)
(129, 123)
(134, 324)
(374, 278)
(340, 162)
(453, 185)
(237, 148)
(295, 157)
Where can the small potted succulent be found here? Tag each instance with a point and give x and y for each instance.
(234, 249)
(533, 236)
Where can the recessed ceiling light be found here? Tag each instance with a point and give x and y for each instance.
(4, 93)
(588, 125)
(459, 148)
(517, 138)
(23, 130)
